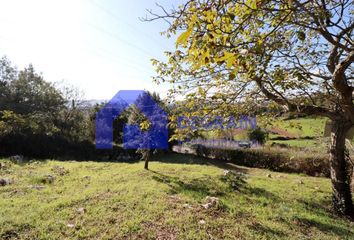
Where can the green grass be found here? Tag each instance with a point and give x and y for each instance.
(313, 144)
(123, 201)
(303, 127)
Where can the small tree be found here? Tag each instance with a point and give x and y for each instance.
(136, 117)
(258, 135)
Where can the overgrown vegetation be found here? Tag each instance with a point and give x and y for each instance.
(40, 119)
(277, 159)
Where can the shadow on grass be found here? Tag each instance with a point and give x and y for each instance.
(261, 192)
(335, 228)
(323, 209)
(205, 186)
(198, 188)
(322, 219)
(264, 230)
(15, 230)
(171, 157)
(232, 181)
(179, 158)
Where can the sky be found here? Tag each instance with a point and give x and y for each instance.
(98, 46)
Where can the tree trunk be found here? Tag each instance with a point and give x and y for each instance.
(146, 157)
(146, 165)
(342, 198)
(351, 149)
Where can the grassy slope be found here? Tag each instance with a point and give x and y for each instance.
(122, 200)
(312, 127)
(303, 127)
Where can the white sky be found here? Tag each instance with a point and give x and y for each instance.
(98, 46)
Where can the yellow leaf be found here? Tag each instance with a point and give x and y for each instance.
(145, 125)
(230, 61)
(182, 39)
(229, 58)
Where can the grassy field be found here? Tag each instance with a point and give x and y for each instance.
(93, 200)
(302, 128)
(313, 144)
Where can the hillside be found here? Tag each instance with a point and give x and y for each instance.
(302, 133)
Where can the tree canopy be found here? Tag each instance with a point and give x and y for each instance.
(296, 53)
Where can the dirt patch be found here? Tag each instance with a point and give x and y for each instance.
(282, 132)
(160, 230)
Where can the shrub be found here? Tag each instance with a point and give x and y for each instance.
(258, 135)
(282, 160)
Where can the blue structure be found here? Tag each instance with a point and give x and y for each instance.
(133, 138)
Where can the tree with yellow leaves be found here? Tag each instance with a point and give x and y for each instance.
(297, 53)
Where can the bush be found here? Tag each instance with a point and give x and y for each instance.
(44, 146)
(271, 158)
(258, 135)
